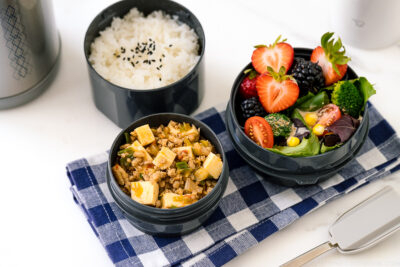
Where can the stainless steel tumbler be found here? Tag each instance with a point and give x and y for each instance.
(29, 50)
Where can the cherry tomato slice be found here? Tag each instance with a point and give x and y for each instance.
(259, 130)
(328, 114)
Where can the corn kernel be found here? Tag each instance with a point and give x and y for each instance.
(293, 141)
(311, 118)
(318, 129)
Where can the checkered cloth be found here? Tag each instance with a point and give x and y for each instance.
(251, 209)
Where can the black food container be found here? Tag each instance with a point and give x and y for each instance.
(291, 171)
(167, 222)
(123, 105)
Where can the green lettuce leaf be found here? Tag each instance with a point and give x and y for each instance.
(365, 87)
(325, 148)
(307, 147)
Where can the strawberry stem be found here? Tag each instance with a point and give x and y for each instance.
(279, 76)
(334, 51)
(277, 41)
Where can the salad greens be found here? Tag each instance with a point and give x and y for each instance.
(314, 102)
(308, 147)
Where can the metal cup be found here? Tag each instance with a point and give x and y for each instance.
(29, 50)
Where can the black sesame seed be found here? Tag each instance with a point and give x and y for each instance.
(118, 56)
(137, 62)
(163, 55)
(170, 45)
(129, 59)
(158, 68)
(153, 60)
(160, 79)
(131, 50)
(160, 59)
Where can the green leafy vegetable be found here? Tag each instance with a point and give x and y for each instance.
(308, 147)
(325, 148)
(315, 102)
(344, 127)
(303, 99)
(182, 165)
(365, 87)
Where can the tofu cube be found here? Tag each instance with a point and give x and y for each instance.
(213, 164)
(164, 158)
(145, 192)
(136, 146)
(145, 135)
(192, 131)
(201, 174)
(172, 200)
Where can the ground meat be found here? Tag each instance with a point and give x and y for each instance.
(173, 180)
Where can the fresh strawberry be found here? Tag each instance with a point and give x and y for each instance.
(277, 91)
(275, 56)
(248, 86)
(331, 58)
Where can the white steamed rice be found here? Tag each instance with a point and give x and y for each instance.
(122, 52)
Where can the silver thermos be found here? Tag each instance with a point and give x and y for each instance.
(29, 50)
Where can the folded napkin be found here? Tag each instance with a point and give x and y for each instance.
(251, 209)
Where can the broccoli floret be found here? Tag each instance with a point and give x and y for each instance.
(348, 98)
(280, 124)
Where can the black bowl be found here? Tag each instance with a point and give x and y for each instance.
(123, 105)
(167, 222)
(283, 169)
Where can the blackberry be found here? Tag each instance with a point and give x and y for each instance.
(308, 75)
(252, 107)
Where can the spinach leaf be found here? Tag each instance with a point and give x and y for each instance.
(315, 102)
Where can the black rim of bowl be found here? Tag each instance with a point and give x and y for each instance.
(177, 211)
(166, 87)
(234, 92)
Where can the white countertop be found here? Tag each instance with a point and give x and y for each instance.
(41, 225)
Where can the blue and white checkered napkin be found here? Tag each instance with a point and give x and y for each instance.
(251, 209)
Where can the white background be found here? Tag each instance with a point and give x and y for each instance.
(40, 225)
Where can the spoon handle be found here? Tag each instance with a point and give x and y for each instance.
(309, 255)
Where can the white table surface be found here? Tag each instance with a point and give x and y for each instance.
(40, 224)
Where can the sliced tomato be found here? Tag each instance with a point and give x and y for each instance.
(328, 114)
(259, 130)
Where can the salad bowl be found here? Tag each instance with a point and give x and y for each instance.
(284, 169)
